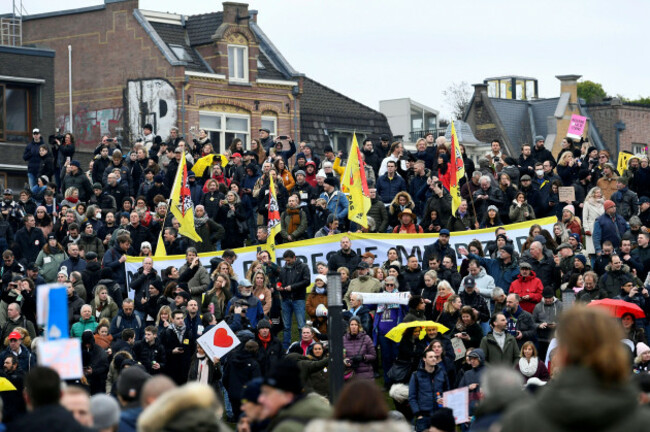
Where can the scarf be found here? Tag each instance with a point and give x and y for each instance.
(200, 221)
(440, 301)
(73, 200)
(204, 369)
(265, 340)
(528, 368)
(319, 290)
(180, 331)
(500, 338)
(294, 222)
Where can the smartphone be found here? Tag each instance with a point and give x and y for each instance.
(283, 137)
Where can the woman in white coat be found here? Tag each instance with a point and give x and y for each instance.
(593, 208)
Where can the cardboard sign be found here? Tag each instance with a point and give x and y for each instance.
(459, 347)
(566, 193)
(458, 401)
(219, 341)
(577, 126)
(63, 355)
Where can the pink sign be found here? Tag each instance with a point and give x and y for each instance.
(577, 126)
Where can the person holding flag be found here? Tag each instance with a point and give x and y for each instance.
(456, 170)
(354, 182)
(273, 224)
(181, 207)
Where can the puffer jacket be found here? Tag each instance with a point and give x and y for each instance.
(360, 344)
(423, 388)
(528, 286)
(49, 264)
(612, 280)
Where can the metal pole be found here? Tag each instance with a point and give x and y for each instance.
(70, 86)
(335, 335)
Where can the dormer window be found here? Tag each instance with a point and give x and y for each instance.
(238, 63)
(180, 52)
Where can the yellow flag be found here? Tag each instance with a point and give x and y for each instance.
(354, 182)
(6, 385)
(456, 170)
(206, 161)
(160, 246)
(274, 225)
(182, 206)
(623, 157)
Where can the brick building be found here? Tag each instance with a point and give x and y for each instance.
(217, 71)
(632, 121)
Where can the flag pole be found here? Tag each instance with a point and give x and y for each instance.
(471, 197)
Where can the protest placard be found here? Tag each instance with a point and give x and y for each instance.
(459, 347)
(458, 401)
(62, 355)
(566, 194)
(218, 341)
(576, 126)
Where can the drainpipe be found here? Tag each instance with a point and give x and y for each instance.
(295, 91)
(187, 80)
(70, 86)
(620, 127)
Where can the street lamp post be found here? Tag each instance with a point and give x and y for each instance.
(335, 334)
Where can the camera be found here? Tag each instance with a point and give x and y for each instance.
(56, 136)
(283, 137)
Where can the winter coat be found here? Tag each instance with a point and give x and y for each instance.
(51, 418)
(313, 373)
(303, 409)
(140, 284)
(109, 311)
(337, 204)
(49, 264)
(210, 232)
(81, 182)
(436, 249)
(484, 283)
(91, 243)
(197, 280)
(29, 243)
(112, 260)
(268, 354)
(122, 322)
(214, 371)
(518, 213)
(234, 223)
(495, 355)
(388, 188)
(627, 203)
(362, 284)
(379, 215)
(612, 281)
(298, 276)
(424, 387)
(458, 223)
(360, 345)
(300, 232)
(546, 270)
(26, 358)
(340, 259)
(241, 367)
(441, 204)
(579, 401)
(82, 325)
(502, 273)
(476, 301)
(544, 313)
(495, 197)
(528, 286)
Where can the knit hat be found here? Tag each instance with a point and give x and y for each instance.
(508, 249)
(130, 382)
(575, 236)
(331, 181)
(145, 244)
(97, 185)
(548, 292)
(75, 163)
(569, 208)
(539, 138)
(263, 323)
(184, 294)
(252, 389)
(641, 348)
(493, 207)
(609, 204)
(321, 277)
(301, 155)
(158, 178)
(105, 411)
(443, 420)
(157, 283)
(582, 258)
(540, 238)
(285, 376)
(44, 179)
(300, 172)
(525, 265)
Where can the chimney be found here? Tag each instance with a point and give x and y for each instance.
(478, 89)
(569, 84)
(253, 13)
(235, 13)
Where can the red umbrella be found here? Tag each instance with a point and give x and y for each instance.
(618, 308)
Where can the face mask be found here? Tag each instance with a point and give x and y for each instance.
(539, 172)
(98, 215)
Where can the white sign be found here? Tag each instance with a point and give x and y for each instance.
(63, 355)
(219, 341)
(458, 401)
(320, 249)
(385, 298)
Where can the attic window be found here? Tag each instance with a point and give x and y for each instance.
(180, 52)
(260, 65)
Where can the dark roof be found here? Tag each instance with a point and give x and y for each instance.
(323, 109)
(200, 28)
(175, 35)
(515, 117)
(269, 71)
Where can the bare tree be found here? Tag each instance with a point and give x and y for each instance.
(457, 97)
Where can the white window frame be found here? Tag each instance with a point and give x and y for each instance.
(243, 49)
(222, 132)
(274, 120)
(638, 148)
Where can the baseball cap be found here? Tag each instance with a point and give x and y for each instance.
(15, 335)
(36, 131)
(444, 231)
(469, 282)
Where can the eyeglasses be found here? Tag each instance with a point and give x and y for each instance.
(389, 284)
(602, 157)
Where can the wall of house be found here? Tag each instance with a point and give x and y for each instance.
(110, 50)
(637, 125)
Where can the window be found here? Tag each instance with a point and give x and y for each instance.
(238, 63)
(224, 127)
(180, 52)
(14, 114)
(260, 65)
(639, 148)
(270, 123)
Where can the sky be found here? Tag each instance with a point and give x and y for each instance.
(381, 49)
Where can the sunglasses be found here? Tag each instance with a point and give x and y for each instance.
(390, 284)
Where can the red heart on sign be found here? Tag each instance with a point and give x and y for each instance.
(221, 338)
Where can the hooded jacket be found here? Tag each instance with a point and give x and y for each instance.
(423, 388)
(527, 286)
(484, 284)
(503, 274)
(544, 313)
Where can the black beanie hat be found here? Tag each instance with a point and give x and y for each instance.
(285, 376)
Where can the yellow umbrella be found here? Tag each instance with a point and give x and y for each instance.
(6, 385)
(396, 333)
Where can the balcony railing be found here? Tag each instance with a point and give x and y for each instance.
(416, 135)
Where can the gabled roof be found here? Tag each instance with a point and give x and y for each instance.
(323, 110)
(195, 30)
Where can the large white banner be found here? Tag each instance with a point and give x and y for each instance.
(320, 249)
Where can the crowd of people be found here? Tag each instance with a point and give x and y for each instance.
(501, 303)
